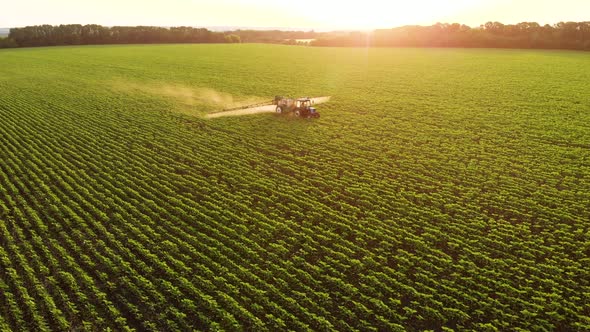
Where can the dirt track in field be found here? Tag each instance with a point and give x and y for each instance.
(258, 109)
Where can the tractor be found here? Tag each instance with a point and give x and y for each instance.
(301, 107)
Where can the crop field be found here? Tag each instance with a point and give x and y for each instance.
(441, 189)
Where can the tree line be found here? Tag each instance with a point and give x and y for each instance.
(75, 34)
(91, 34)
(563, 35)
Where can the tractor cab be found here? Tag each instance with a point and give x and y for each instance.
(304, 108)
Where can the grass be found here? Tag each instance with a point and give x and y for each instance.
(440, 188)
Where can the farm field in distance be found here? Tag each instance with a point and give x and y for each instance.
(441, 189)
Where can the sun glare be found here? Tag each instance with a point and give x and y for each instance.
(371, 14)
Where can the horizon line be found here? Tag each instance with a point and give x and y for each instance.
(229, 28)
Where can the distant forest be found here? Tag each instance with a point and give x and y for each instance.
(563, 35)
(75, 34)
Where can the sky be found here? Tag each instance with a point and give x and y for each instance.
(305, 14)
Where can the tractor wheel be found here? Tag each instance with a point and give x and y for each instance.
(279, 109)
(297, 113)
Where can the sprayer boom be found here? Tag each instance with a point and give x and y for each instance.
(266, 103)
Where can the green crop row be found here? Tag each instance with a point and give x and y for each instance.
(441, 189)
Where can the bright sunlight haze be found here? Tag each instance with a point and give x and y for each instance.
(305, 14)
